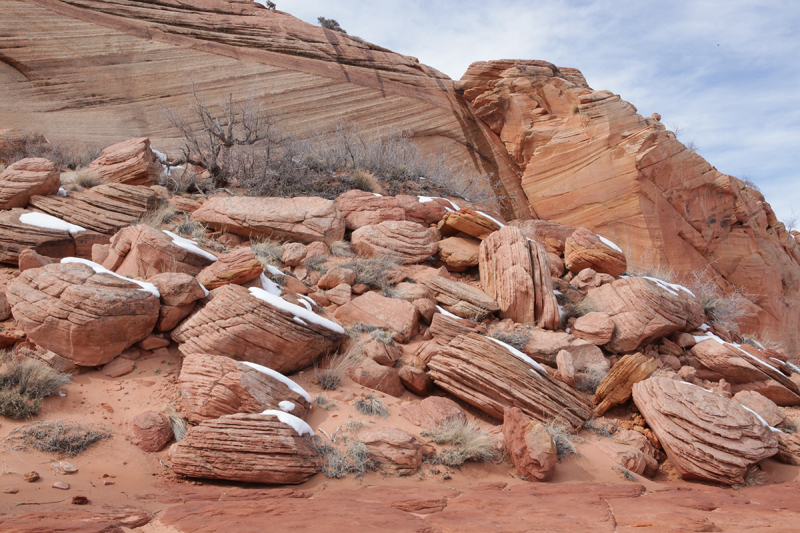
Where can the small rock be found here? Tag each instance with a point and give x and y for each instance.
(63, 485)
(10, 491)
(80, 500)
(31, 476)
(120, 366)
(108, 482)
(152, 342)
(63, 467)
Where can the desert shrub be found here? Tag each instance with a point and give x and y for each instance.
(24, 383)
(159, 216)
(363, 180)
(355, 329)
(330, 24)
(373, 271)
(337, 366)
(342, 249)
(344, 458)
(599, 429)
(316, 263)
(372, 406)
(582, 307)
(64, 437)
(562, 437)
(467, 441)
(192, 230)
(63, 154)
(268, 251)
(322, 401)
(85, 180)
(591, 377)
(178, 423)
(518, 339)
(383, 336)
(726, 308)
(625, 473)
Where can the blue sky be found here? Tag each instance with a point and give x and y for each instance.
(726, 72)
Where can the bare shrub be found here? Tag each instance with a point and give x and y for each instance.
(336, 368)
(591, 377)
(383, 336)
(330, 24)
(578, 309)
(372, 406)
(467, 441)
(341, 249)
(316, 263)
(518, 339)
(341, 459)
(727, 308)
(373, 271)
(24, 383)
(562, 437)
(192, 230)
(178, 422)
(86, 180)
(268, 251)
(322, 401)
(64, 437)
(62, 154)
(162, 214)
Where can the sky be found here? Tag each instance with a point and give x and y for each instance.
(725, 72)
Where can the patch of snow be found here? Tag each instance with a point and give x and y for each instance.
(290, 420)
(446, 312)
(61, 394)
(425, 199)
(672, 288)
(568, 330)
(270, 286)
(300, 321)
(557, 293)
(708, 336)
(161, 157)
(378, 195)
(205, 291)
(296, 310)
(704, 327)
(190, 245)
(774, 430)
(491, 218)
(61, 192)
(286, 406)
(760, 346)
(40, 220)
(519, 355)
(275, 271)
(611, 244)
(306, 301)
(294, 387)
(147, 287)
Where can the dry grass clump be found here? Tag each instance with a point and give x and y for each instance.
(178, 423)
(337, 366)
(63, 437)
(726, 308)
(563, 438)
(24, 383)
(62, 154)
(355, 329)
(372, 406)
(591, 377)
(584, 306)
(342, 249)
(467, 441)
(518, 339)
(159, 216)
(268, 251)
(348, 457)
(316, 263)
(84, 180)
(322, 401)
(373, 271)
(383, 336)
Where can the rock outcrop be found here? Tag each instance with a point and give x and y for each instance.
(254, 448)
(238, 267)
(516, 273)
(407, 242)
(398, 316)
(617, 387)
(85, 316)
(492, 376)
(150, 431)
(706, 436)
(301, 219)
(432, 411)
(27, 178)
(242, 324)
(585, 249)
(131, 162)
(362, 208)
(529, 446)
(470, 222)
(459, 253)
(213, 385)
(395, 451)
(459, 298)
(178, 293)
(17, 236)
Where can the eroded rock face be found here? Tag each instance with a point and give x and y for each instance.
(529, 446)
(626, 177)
(460, 298)
(408, 242)
(392, 314)
(26, 178)
(459, 253)
(178, 293)
(470, 222)
(143, 251)
(253, 448)
(215, 385)
(706, 436)
(617, 386)
(516, 273)
(131, 162)
(432, 411)
(302, 219)
(236, 324)
(643, 310)
(16, 237)
(361, 208)
(86, 317)
(396, 452)
(486, 374)
(771, 413)
(150, 431)
(238, 266)
(586, 249)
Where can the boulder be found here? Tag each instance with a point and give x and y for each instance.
(85, 316)
(118, 367)
(766, 408)
(445, 328)
(412, 291)
(644, 309)
(788, 448)
(336, 276)
(544, 346)
(594, 327)
(459, 298)
(459, 253)
(516, 273)
(406, 241)
(395, 451)
(142, 251)
(362, 208)
(252, 325)
(17, 236)
(617, 386)
(31, 259)
(544, 229)
(529, 446)
(706, 436)
(473, 223)
(293, 254)
(431, 412)
(150, 431)
(178, 292)
(588, 278)
(415, 380)
(214, 385)
(131, 162)
(392, 314)
(566, 368)
(586, 249)
(26, 178)
(378, 377)
(238, 266)
(628, 457)
(491, 376)
(340, 294)
(253, 448)
(301, 219)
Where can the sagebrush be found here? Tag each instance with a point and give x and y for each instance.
(467, 442)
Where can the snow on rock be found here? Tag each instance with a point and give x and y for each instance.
(610, 244)
(40, 220)
(190, 245)
(299, 425)
(287, 406)
(270, 286)
(294, 387)
(296, 310)
(275, 271)
(519, 355)
(147, 287)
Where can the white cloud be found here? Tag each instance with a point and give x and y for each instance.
(727, 72)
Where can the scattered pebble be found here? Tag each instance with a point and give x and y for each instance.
(108, 482)
(63, 467)
(80, 500)
(63, 485)
(31, 476)
(10, 491)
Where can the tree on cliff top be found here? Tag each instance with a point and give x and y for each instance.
(330, 24)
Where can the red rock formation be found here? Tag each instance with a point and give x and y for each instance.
(588, 160)
(585, 249)
(395, 451)
(27, 178)
(408, 242)
(392, 314)
(238, 266)
(469, 222)
(362, 208)
(529, 446)
(131, 162)
(459, 298)
(432, 411)
(150, 431)
(616, 387)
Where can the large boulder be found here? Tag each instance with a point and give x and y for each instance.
(131, 162)
(474, 223)
(26, 178)
(150, 431)
(459, 298)
(214, 385)
(398, 316)
(254, 448)
(459, 253)
(617, 387)
(16, 236)
(82, 313)
(544, 345)
(143, 251)
(645, 309)
(362, 208)
(766, 408)
(368, 373)
(178, 293)
(516, 273)
(301, 219)
(491, 376)
(529, 446)
(253, 325)
(430, 412)
(408, 242)
(706, 436)
(238, 266)
(586, 249)
(395, 451)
